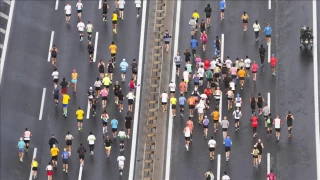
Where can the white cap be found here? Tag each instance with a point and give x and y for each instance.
(90, 88)
(123, 59)
(53, 145)
(205, 116)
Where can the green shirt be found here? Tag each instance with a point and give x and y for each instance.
(209, 74)
(189, 68)
(255, 152)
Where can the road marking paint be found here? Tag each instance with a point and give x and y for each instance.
(7, 1)
(50, 45)
(220, 109)
(315, 84)
(269, 4)
(268, 100)
(80, 172)
(218, 167)
(3, 31)
(95, 47)
(6, 38)
(4, 15)
(100, 2)
(269, 51)
(88, 110)
(170, 125)
(222, 47)
(34, 156)
(42, 103)
(268, 163)
(57, 5)
(138, 92)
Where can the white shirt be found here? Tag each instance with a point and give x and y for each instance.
(201, 72)
(121, 160)
(27, 135)
(217, 94)
(247, 62)
(69, 137)
(237, 114)
(203, 96)
(97, 84)
(81, 26)
(49, 168)
(238, 101)
(256, 27)
(187, 132)
(121, 4)
(55, 74)
(91, 139)
(122, 134)
(229, 94)
(130, 95)
(185, 75)
(212, 143)
(232, 85)
(225, 177)
(277, 123)
(228, 63)
(67, 9)
(177, 59)
(200, 107)
(164, 97)
(138, 3)
(172, 87)
(213, 64)
(79, 6)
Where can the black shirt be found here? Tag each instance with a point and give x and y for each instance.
(116, 88)
(107, 143)
(64, 84)
(128, 120)
(120, 96)
(208, 10)
(187, 56)
(110, 66)
(134, 67)
(53, 141)
(262, 51)
(227, 80)
(81, 150)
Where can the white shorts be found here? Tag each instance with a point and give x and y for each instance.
(121, 166)
(238, 104)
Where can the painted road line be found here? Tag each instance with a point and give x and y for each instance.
(222, 47)
(138, 92)
(80, 172)
(34, 156)
(88, 110)
(218, 166)
(315, 82)
(95, 47)
(269, 51)
(220, 109)
(268, 163)
(268, 100)
(170, 125)
(57, 5)
(4, 15)
(100, 3)
(42, 103)
(269, 4)
(6, 38)
(50, 45)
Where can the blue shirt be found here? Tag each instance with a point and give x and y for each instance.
(182, 100)
(21, 144)
(65, 155)
(206, 122)
(268, 30)
(194, 43)
(124, 65)
(56, 92)
(114, 123)
(227, 142)
(222, 4)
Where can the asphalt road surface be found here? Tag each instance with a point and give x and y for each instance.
(291, 89)
(27, 72)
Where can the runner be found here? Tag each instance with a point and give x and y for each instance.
(223, 6)
(54, 155)
(114, 126)
(52, 141)
(196, 16)
(74, 79)
(55, 76)
(65, 157)
(79, 7)
(225, 125)
(107, 145)
(212, 146)
(64, 85)
(268, 31)
(68, 140)
(262, 52)
(227, 146)
(256, 29)
(166, 39)
(238, 101)
(193, 25)
(205, 123)
(247, 63)
(97, 85)
(105, 8)
(208, 12)
(80, 114)
(271, 176)
(114, 19)
(81, 27)
(196, 80)
(34, 166)
(121, 4)
(218, 95)
(138, 6)
(191, 126)
(106, 81)
(194, 45)
(266, 112)
(187, 134)
(241, 75)
(54, 52)
(216, 116)
(173, 102)
(260, 146)
(254, 124)
(209, 175)
(237, 115)
(253, 105)
(183, 84)
(121, 98)
(290, 119)
(26, 137)
(122, 135)
(49, 170)
(65, 102)
(67, 9)
(94, 107)
(204, 38)
(230, 97)
(269, 125)
(273, 62)
(245, 18)
(254, 70)
(277, 126)
(134, 68)
(104, 119)
(191, 101)
(123, 68)
(104, 97)
(89, 28)
(200, 107)
(182, 101)
(113, 51)
(130, 97)
(21, 145)
(90, 50)
(90, 95)
(91, 139)
(225, 176)
(128, 120)
(217, 43)
(121, 160)
(201, 73)
(81, 151)
(255, 153)
(259, 101)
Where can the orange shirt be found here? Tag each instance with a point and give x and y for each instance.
(190, 125)
(273, 61)
(241, 73)
(191, 100)
(182, 86)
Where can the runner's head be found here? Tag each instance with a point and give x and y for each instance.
(211, 138)
(21, 138)
(74, 70)
(289, 112)
(65, 149)
(272, 55)
(54, 145)
(68, 132)
(238, 95)
(26, 129)
(261, 46)
(208, 5)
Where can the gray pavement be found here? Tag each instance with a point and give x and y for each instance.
(27, 72)
(294, 83)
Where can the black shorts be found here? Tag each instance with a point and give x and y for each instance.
(268, 35)
(221, 10)
(104, 98)
(65, 161)
(69, 142)
(81, 156)
(196, 83)
(208, 15)
(241, 78)
(120, 101)
(216, 75)
(255, 156)
(260, 151)
(236, 120)
(98, 88)
(178, 66)
(278, 129)
(80, 120)
(224, 129)
(289, 124)
(248, 68)
(114, 130)
(211, 149)
(128, 126)
(245, 21)
(167, 42)
(26, 141)
(79, 11)
(227, 148)
(34, 168)
(56, 97)
(229, 98)
(134, 72)
(205, 126)
(191, 106)
(121, 141)
(114, 22)
(105, 123)
(259, 106)
(172, 92)
(181, 106)
(187, 138)
(209, 79)
(122, 9)
(130, 101)
(173, 106)
(113, 54)
(104, 11)
(106, 86)
(68, 15)
(164, 103)
(54, 158)
(55, 80)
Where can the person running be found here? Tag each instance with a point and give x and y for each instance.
(230, 97)
(238, 101)
(277, 126)
(94, 107)
(123, 68)
(253, 105)
(52, 141)
(81, 27)
(134, 69)
(247, 63)
(49, 170)
(259, 101)
(194, 45)
(67, 10)
(121, 160)
(114, 126)
(105, 8)
(104, 96)
(65, 157)
(227, 146)
(64, 85)
(225, 176)
(164, 100)
(225, 125)
(116, 89)
(166, 39)
(89, 28)
(216, 115)
(217, 96)
(217, 43)
(80, 115)
(91, 139)
(68, 140)
(245, 18)
(65, 102)
(97, 85)
(255, 153)
(205, 123)
(209, 175)
(107, 145)
(90, 95)
(90, 50)
(54, 155)
(81, 151)
(138, 6)
(237, 115)
(201, 106)
(104, 120)
(196, 16)
(187, 135)
(266, 112)
(55, 77)
(212, 146)
(34, 167)
(241, 75)
(101, 66)
(128, 121)
(182, 101)
(79, 7)
(256, 29)
(271, 176)
(21, 145)
(259, 146)
(254, 70)
(106, 81)
(208, 12)
(191, 101)
(74, 79)
(223, 6)
(269, 125)
(173, 102)
(268, 31)
(122, 135)
(262, 52)
(273, 63)
(130, 97)
(204, 38)
(121, 4)
(121, 99)
(54, 52)
(114, 19)
(193, 25)
(290, 119)
(254, 124)
(26, 137)
(113, 51)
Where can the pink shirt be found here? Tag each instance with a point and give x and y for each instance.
(233, 71)
(254, 67)
(198, 59)
(204, 38)
(104, 93)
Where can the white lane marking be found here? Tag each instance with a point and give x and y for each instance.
(34, 156)
(138, 92)
(4, 15)
(3, 31)
(222, 47)
(50, 45)
(268, 163)
(95, 47)
(315, 82)
(170, 125)
(268, 100)
(269, 4)
(7, 1)
(220, 109)
(57, 5)
(80, 172)
(42, 103)
(88, 110)
(6, 38)
(269, 51)
(100, 2)
(218, 166)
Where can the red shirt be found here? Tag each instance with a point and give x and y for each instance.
(254, 122)
(207, 91)
(206, 64)
(131, 85)
(273, 61)
(271, 176)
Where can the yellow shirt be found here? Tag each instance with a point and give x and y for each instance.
(216, 115)
(113, 48)
(54, 151)
(114, 17)
(34, 164)
(196, 15)
(74, 76)
(173, 101)
(65, 99)
(241, 73)
(80, 114)
(106, 81)
(245, 17)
